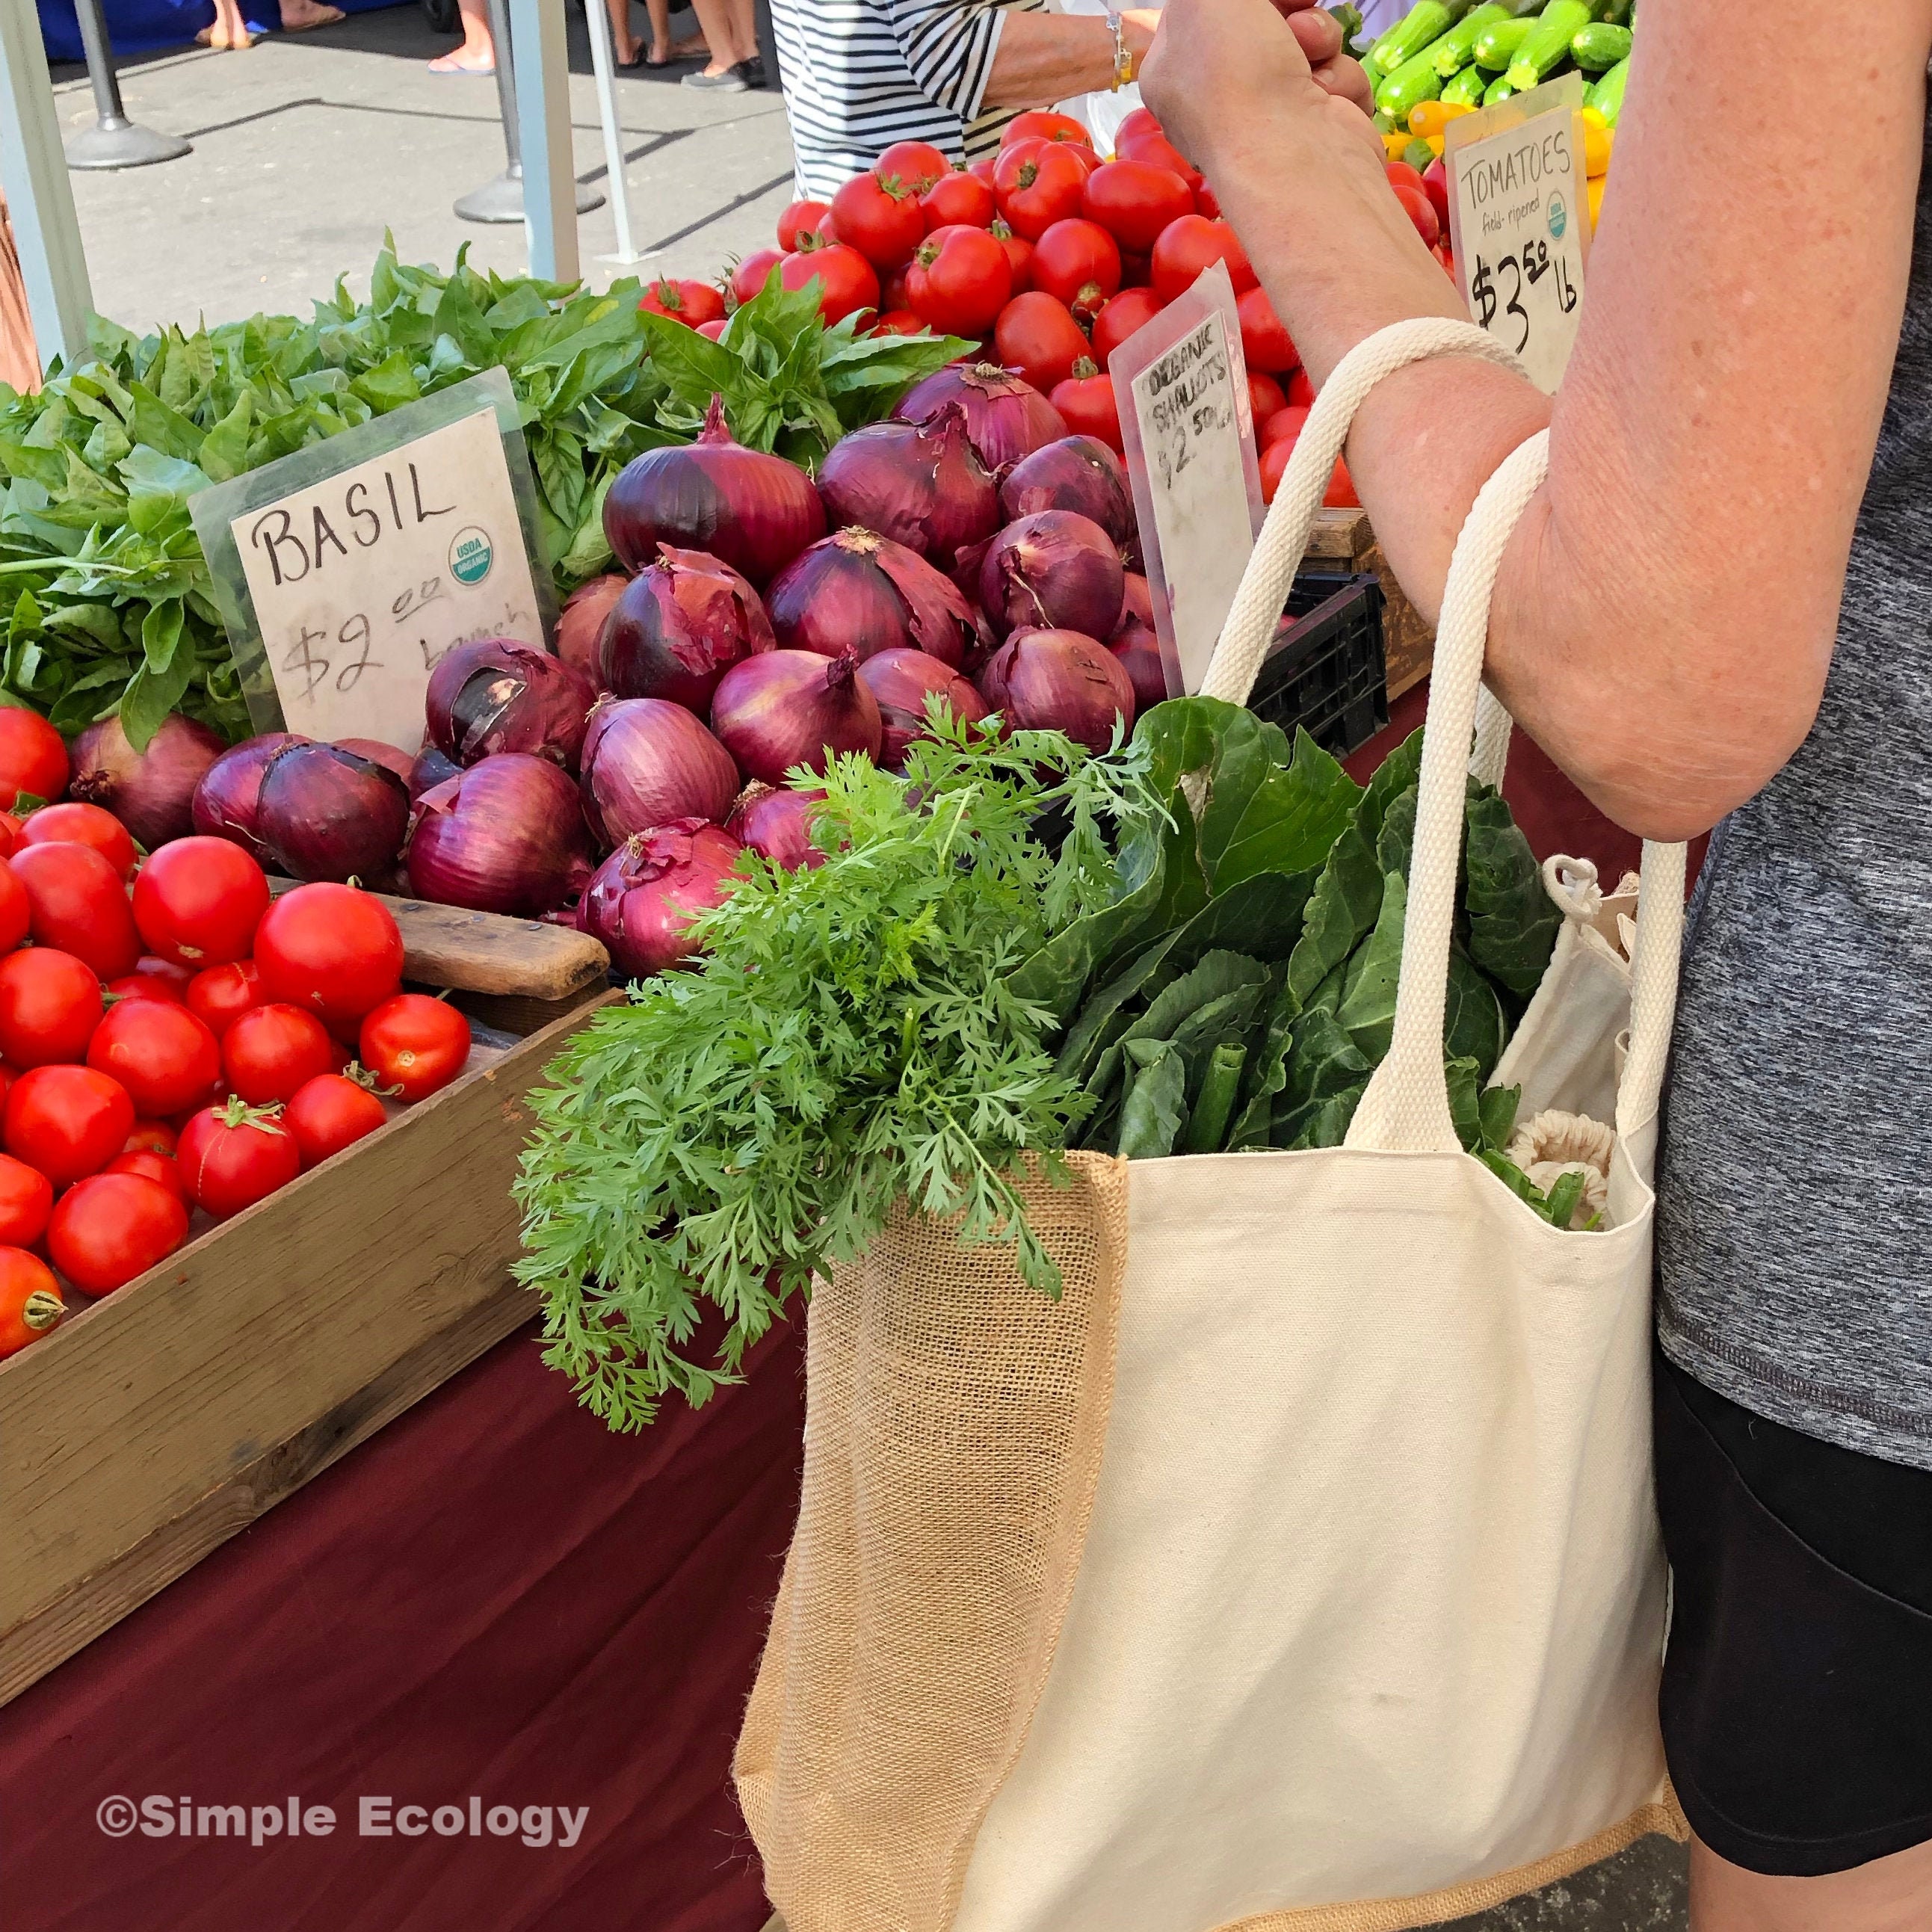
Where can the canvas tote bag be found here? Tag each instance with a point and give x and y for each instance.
(1297, 1570)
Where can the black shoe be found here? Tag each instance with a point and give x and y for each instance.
(752, 71)
(729, 82)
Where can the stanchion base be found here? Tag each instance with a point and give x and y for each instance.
(502, 200)
(124, 144)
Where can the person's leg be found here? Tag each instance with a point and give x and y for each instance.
(745, 33)
(1890, 1895)
(299, 16)
(476, 55)
(721, 36)
(230, 33)
(623, 42)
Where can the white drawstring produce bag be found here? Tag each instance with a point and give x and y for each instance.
(1297, 1570)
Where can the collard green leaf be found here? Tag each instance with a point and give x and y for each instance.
(1367, 1011)
(1340, 913)
(1088, 1037)
(1220, 1022)
(1396, 774)
(1323, 1122)
(1155, 1107)
(1207, 1120)
(1499, 1111)
(1512, 922)
(1473, 1024)
(1395, 843)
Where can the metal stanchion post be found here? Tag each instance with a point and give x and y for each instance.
(604, 64)
(113, 141)
(501, 198)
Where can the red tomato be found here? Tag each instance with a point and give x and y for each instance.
(79, 904)
(108, 1230)
(219, 995)
(984, 168)
(1134, 201)
(1086, 400)
(897, 321)
(16, 911)
(166, 1058)
(689, 302)
(150, 1137)
(1192, 244)
(713, 331)
(1421, 211)
(10, 833)
(801, 219)
(33, 759)
(1037, 184)
(881, 217)
(333, 950)
(233, 1155)
(1400, 174)
(1435, 185)
(749, 277)
(1019, 256)
(67, 1121)
(26, 1200)
(1274, 460)
(1265, 395)
(30, 1300)
(1206, 201)
(1132, 309)
(1300, 391)
(1264, 341)
(1341, 494)
(152, 1166)
(915, 165)
(415, 1043)
(81, 825)
(845, 279)
(1158, 151)
(49, 1006)
(1037, 123)
(1136, 121)
(267, 1053)
(1078, 262)
(161, 979)
(959, 199)
(199, 901)
(330, 1113)
(1037, 337)
(1287, 421)
(959, 281)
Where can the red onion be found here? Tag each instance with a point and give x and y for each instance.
(754, 511)
(920, 485)
(1007, 418)
(901, 681)
(787, 708)
(856, 592)
(498, 695)
(431, 768)
(580, 623)
(151, 792)
(1055, 569)
(228, 799)
(644, 896)
(777, 824)
(506, 834)
(1077, 472)
(647, 761)
(397, 759)
(680, 625)
(326, 813)
(1137, 644)
(1060, 681)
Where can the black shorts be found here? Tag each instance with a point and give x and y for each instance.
(1797, 1698)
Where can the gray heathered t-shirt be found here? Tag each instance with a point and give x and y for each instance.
(1794, 1228)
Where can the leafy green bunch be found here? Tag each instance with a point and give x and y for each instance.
(854, 1034)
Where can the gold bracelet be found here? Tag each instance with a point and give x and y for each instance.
(1123, 60)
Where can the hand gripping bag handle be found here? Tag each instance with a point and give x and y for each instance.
(1406, 1106)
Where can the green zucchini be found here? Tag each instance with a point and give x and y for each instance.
(1547, 46)
(1495, 47)
(1415, 80)
(1452, 50)
(1500, 88)
(1420, 28)
(1466, 90)
(1597, 48)
(1607, 96)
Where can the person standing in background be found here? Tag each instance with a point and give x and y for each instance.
(731, 32)
(20, 359)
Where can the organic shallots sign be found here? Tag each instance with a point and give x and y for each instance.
(346, 571)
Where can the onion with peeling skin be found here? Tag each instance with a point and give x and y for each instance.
(680, 625)
(1006, 417)
(919, 484)
(900, 682)
(776, 822)
(227, 802)
(789, 708)
(397, 759)
(580, 623)
(506, 834)
(858, 592)
(431, 768)
(498, 695)
(1060, 681)
(642, 899)
(757, 511)
(1056, 570)
(1137, 644)
(647, 761)
(1079, 473)
(326, 813)
(151, 792)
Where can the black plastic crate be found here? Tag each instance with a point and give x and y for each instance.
(1324, 672)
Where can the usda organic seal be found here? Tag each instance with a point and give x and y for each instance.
(471, 554)
(1559, 220)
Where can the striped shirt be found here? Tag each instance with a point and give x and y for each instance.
(859, 75)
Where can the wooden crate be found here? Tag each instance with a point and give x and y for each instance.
(151, 1426)
(1345, 540)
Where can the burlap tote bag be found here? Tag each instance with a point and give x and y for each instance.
(1298, 1569)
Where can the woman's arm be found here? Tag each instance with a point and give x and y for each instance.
(1665, 613)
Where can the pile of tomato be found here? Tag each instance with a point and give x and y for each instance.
(171, 1039)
